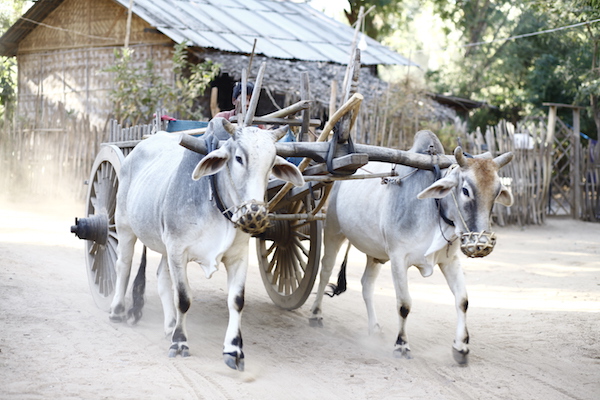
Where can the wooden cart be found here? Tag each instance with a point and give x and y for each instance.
(289, 250)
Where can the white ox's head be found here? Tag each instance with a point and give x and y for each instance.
(475, 186)
(246, 162)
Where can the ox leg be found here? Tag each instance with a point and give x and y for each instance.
(403, 304)
(233, 354)
(368, 288)
(456, 281)
(125, 250)
(332, 242)
(181, 297)
(165, 291)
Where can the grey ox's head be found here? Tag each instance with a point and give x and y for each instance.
(246, 161)
(475, 186)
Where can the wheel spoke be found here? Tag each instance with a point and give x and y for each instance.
(301, 235)
(301, 260)
(299, 245)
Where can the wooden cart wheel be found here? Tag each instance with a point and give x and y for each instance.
(101, 253)
(288, 256)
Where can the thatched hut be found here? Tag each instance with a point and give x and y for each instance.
(63, 46)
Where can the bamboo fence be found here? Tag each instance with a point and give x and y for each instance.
(54, 157)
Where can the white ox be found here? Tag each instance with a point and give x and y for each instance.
(165, 200)
(391, 222)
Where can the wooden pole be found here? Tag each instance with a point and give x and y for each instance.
(304, 95)
(251, 58)
(214, 104)
(333, 97)
(244, 98)
(128, 27)
(255, 95)
(576, 170)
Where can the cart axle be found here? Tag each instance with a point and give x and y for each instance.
(94, 228)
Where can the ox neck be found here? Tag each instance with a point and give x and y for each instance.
(438, 202)
(219, 202)
(442, 212)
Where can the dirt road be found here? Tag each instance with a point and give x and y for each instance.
(534, 321)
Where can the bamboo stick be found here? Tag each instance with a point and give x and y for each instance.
(255, 95)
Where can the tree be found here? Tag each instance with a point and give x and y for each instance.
(139, 92)
(519, 75)
(381, 20)
(9, 13)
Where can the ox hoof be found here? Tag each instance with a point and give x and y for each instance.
(376, 330)
(234, 360)
(180, 349)
(316, 322)
(461, 356)
(403, 352)
(117, 318)
(134, 315)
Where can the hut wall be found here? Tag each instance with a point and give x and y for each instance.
(67, 65)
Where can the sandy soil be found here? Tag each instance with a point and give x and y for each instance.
(534, 320)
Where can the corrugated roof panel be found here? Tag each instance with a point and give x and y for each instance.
(253, 5)
(261, 23)
(284, 29)
(297, 31)
(155, 13)
(215, 40)
(327, 31)
(201, 21)
(302, 51)
(224, 4)
(266, 46)
(276, 6)
(336, 54)
(243, 43)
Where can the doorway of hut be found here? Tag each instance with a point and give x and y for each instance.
(222, 92)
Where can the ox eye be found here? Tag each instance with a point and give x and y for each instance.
(465, 191)
(239, 159)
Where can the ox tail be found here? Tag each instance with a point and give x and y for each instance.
(139, 287)
(340, 287)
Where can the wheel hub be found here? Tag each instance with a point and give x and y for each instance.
(94, 228)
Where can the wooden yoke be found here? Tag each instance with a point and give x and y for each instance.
(352, 104)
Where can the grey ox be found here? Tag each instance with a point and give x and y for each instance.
(165, 199)
(393, 222)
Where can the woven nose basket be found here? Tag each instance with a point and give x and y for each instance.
(254, 218)
(477, 244)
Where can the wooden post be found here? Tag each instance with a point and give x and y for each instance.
(255, 95)
(214, 104)
(244, 98)
(549, 146)
(333, 98)
(128, 27)
(304, 95)
(576, 166)
(551, 125)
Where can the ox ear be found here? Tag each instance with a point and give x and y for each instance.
(287, 171)
(505, 197)
(440, 188)
(212, 163)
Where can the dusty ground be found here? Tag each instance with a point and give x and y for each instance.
(534, 320)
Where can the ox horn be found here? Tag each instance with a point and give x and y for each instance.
(503, 159)
(280, 132)
(229, 127)
(460, 157)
